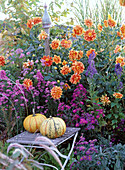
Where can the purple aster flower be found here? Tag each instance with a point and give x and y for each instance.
(3, 75)
(42, 62)
(83, 121)
(75, 117)
(18, 51)
(21, 104)
(89, 158)
(28, 53)
(82, 138)
(11, 54)
(22, 55)
(98, 162)
(88, 152)
(36, 61)
(77, 124)
(118, 70)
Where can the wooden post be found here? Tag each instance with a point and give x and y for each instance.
(46, 21)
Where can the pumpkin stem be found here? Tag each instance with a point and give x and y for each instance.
(34, 112)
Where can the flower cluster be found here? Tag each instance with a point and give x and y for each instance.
(90, 52)
(100, 27)
(74, 113)
(2, 60)
(43, 35)
(120, 60)
(56, 59)
(66, 43)
(65, 70)
(27, 83)
(47, 60)
(105, 100)
(55, 44)
(88, 22)
(78, 67)
(118, 95)
(90, 35)
(121, 34)
(56, 92)
(78, 30)
(117, 49)
(87, 150)
(34, 21)
(28, 64)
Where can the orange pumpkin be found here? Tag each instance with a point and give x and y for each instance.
(32, 122)
(122, 2)
(53, 127)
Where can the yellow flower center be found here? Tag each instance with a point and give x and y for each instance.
(90, 33)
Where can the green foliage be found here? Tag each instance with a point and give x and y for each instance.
(103, 155)
(97, 10)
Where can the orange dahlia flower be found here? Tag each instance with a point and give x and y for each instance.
(111, 22)
(25, 65)
(37, 20)
(100, 27)
(106, 23)
(78, 30)
(66, 43)
(80, 55)
(90, 52)
(29, 63)
(118, 95)
(90, 35)
(123, 29)
(119, 34)
(48, 60)
(57, 59)
(105, 100)
(55, 44)
(73, 55)
(64, 62)
(65, 70)
(56, 92)
(120, 60)
(66, 86)
(43, 35)
(88, 22)
(78, 67)
(75, 78)
(27, 83)
(2, 60)
(117, 49)
(30, 23)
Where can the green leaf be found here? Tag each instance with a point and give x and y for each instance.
(116, 116)
(47, 78)
(113, 104)
(114, 121)
(117, 165)
(109, 116)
